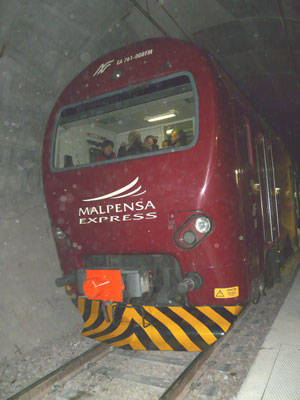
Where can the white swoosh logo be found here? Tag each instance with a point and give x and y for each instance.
(120, 193)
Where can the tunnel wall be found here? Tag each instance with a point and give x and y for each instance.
(43, 45)
(32, 309)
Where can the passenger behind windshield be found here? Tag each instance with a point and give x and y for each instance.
(150, 143)
(135, 145)
(107, 151)
(177, 138)
(165, 144)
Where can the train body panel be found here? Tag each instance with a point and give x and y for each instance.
(179, 226)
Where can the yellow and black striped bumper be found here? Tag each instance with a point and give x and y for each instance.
(185, 328)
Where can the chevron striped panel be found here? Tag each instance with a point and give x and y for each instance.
(186, 328)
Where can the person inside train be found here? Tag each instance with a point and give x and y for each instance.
(135, 145)
(177, 138)
(107, 151)
(150, 143)
(165, 144)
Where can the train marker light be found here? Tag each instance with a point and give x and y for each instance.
(117, 74)
(189, 237)
(62, 237)
(203, 224)
(194, 229)
(60, 234)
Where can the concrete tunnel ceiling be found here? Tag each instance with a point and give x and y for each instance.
(256, 42)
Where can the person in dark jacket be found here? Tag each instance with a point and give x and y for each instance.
(107, 151)
(135, 145)
(150, 143)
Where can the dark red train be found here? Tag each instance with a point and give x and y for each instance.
(170, 199)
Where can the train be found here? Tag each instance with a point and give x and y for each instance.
(172, 202)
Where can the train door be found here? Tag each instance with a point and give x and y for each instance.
(250, 200)
(269, 207)
(268, 196)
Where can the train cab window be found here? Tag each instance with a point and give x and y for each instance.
(245, 140)
(162, 110)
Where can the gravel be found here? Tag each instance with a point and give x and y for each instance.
(222, 375)
(24, 369)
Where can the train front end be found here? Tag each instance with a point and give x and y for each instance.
(144, 232)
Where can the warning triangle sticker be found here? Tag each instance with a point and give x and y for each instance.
(219, 293)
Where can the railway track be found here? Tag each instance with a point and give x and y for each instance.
(43, 385)
(104, 372)
(108, 373)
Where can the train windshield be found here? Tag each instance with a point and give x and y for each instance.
(153, 118)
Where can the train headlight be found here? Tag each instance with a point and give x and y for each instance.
(202, 224)
(193, 230)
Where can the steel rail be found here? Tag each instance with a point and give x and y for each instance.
(67, 370)
(184, 379)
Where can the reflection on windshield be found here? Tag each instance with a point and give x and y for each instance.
(134, 123)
